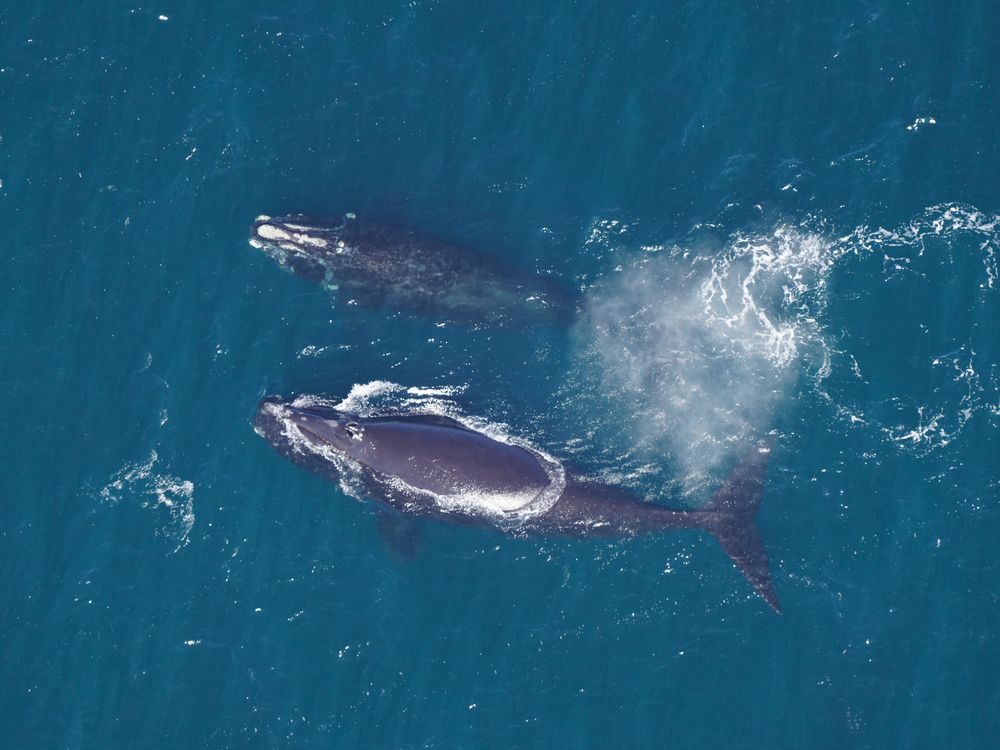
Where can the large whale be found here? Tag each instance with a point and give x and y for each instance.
(434, 466)
(380, 265)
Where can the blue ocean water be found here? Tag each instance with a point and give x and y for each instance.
(782, 218)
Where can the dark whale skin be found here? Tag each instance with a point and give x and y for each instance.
(386, 266)
(404, 458)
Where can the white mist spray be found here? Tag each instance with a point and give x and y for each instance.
(700, 348)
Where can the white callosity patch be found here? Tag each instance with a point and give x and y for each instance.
(271, 232)
(163, 492)
(289, 239)
(306, 239)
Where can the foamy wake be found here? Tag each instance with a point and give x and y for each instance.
(947, 253)
(169, 495)
(701, 345)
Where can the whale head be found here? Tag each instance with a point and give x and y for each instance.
(307, 247)
(296, 234)
(303, 427)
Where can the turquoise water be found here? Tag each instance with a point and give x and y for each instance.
(782, 219)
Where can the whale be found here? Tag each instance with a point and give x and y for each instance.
(434, 466)
(385, 266)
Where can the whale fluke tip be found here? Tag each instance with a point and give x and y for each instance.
(730, 518)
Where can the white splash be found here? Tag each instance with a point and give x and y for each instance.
(948, 250)
(702, 347)
(921, 122)
(927, 433)
(697, 346)
(312, 351)
(163, 492)
(379, 397)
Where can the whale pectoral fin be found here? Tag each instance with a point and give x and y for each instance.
(401, 535)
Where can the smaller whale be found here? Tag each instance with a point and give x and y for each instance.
(434, 466)
(385, 266)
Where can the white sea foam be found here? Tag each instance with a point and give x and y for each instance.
(696, 346)
(162, 492)
(921, 122)
(949, 251)
(702, 346)
(312, 351)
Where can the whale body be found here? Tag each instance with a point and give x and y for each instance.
(434, 466)
(390, 267)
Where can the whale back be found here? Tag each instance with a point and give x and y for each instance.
(384, 265)
(440, 455)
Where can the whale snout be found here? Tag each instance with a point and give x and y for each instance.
(259, 231)
(269, 420)
(289, 233)
(317, 425)
(324, 426)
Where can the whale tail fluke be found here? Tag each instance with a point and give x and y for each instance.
(729, 516)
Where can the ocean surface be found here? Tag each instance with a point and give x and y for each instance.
(782, 219)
